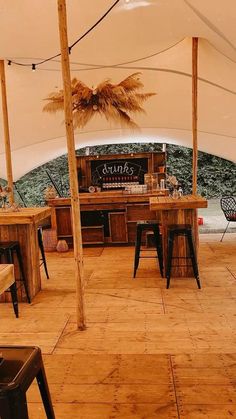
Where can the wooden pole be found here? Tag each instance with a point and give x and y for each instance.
(194, 111)
(75, 205)
(6, 132)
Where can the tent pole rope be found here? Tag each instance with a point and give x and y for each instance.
(194, 111)
(75, 204)
(6, 132)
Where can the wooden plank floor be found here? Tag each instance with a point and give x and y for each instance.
(147, 352)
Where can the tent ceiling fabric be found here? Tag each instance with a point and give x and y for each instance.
(151, 36)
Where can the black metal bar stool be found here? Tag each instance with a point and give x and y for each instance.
(7, 250)
(7, 281)
(41, 247)
(176, 230)
(19, 366)
(140, 228)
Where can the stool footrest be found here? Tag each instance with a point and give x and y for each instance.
(182, 257)
(181, 266)
(147, 257)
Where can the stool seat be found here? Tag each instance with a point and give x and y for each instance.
(8, 245)
(176, 230)
(147, 223)
(19, 367)
(179, 227)
(144, 225)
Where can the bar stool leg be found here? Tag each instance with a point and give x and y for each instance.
(169, 258)
(193, 258)
(45, 394)
(158, 244)
(5, 408)
(19, 257)
(14, 299)
(18, 405)
(13, 288)
(137, 249)
(41, 247)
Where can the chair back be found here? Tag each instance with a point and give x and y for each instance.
(228, 206)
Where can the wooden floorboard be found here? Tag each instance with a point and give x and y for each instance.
(147, 352)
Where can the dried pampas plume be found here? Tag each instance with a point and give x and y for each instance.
(114, 101)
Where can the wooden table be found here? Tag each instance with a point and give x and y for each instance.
(22, 226)
(178, 211)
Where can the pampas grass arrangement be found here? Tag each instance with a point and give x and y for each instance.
(114, 101)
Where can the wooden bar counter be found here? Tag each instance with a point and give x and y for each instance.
(22, 226)
(178, 211)
(106, 217)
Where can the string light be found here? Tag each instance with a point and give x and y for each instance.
(33, 66)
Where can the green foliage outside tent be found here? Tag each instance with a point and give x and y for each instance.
(216, 176)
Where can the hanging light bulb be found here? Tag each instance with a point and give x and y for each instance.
(33, 67)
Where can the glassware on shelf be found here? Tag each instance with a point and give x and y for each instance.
(162, 184)
(155, 184)
(175, 193)
(180, 192)
(148, 181)
(119, 182)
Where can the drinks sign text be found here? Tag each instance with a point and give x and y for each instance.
(112, 168)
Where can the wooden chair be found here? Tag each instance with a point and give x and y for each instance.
(228, 206)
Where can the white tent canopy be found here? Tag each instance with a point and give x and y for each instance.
(150, 36)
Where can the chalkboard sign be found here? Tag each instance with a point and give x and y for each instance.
(118, 170)
(128, 168)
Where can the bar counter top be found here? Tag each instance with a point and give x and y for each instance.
(184, 202)
(24, 216)
(108, 197)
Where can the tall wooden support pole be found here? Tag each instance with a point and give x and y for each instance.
(194, 111)
(75, 206)
(6, 131)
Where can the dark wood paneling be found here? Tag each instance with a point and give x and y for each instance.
(140, 212)
(131, 228)
(118, 229)
(63, 215)
(93, 234)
